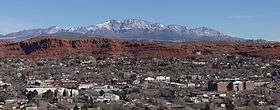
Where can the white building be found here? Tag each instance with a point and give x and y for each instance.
(149, 79)
(107, 97)
(163, 79)
(40, 90)
(237, 86)
(70, 92)
(3, 83)
(86, 86)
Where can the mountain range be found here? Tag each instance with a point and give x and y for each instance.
(130, 29)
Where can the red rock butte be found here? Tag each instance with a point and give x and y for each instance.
(53, 47)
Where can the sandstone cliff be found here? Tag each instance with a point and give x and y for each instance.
(52, 47)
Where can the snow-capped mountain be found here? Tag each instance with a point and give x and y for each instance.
(130, 29)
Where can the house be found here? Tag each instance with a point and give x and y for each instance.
(198, 63)
(35, 83)
(205, 100)
(107, 97)
(70, 92)
(31, 107)
(179, 84)
(237, 86)
(163, 79)
(222, 95)
(231, 85)
(85, 86)
(65, 99)
(218, 86)
(40, 90)
(11, 104)
(149, 79)
(261, 83)
(194, 77)
(191, 85)
(106, 88)
(136, 82)
(193, 99)
(60, 82)
(4, 84)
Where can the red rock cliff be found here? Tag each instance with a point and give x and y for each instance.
(52, 47)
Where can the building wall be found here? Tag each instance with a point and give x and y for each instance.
(223, 86)
(238, 86)
(249, 85)
(41, 90)
(60, 90)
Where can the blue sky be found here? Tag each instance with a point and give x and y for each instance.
(242, 18)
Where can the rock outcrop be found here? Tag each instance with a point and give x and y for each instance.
(53, 47)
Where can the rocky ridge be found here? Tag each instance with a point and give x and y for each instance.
(53, 46)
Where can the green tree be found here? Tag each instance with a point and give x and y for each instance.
(56, 93)
(84, 107)
(65, 93)
(48, 95)
(2, 98)
(76, 107)
(167, 93)
(23, 77)
(31, 95)
(229, 104)
(101, 92)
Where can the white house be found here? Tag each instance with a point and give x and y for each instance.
(86, 86)
(237, 85)
(3, 83)
(70, 92)
(163, 79)
(60, 91)
(107, 97)
(149, 79)
(40, 90)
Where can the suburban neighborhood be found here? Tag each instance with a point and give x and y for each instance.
(77, 82)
